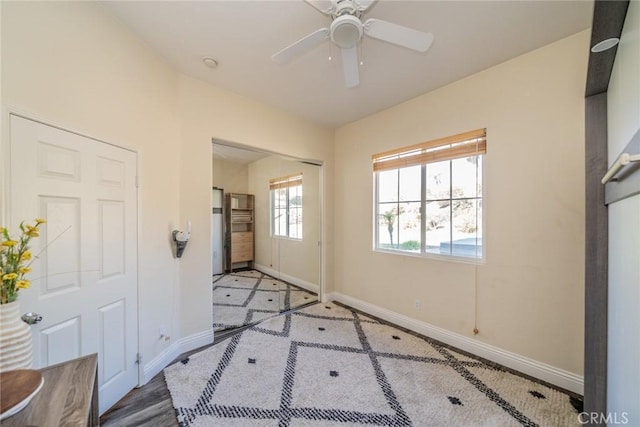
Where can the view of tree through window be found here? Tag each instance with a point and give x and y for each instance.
(449, 193)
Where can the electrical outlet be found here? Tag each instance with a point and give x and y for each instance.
(418, 305)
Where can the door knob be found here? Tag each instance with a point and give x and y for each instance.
(31, 318)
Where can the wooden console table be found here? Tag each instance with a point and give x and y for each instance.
(69, 397)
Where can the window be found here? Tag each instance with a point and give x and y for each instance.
(286, 206)
(429, 197)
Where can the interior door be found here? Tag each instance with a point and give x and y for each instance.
(84, 282)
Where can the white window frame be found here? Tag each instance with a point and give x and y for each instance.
(287, 186)
(423, 253)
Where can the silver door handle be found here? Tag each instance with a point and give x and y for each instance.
(31, 318)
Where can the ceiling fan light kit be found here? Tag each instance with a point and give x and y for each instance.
(346, 31)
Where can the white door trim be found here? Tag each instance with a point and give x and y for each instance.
(5, 194)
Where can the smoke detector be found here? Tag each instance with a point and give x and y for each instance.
(210, 62)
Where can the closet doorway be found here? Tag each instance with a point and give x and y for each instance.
(283, 271)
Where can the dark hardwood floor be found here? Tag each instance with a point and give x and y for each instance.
(151, 405)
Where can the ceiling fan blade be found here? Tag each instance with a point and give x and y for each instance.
(364, 5)
(303, 45)
(398, 35)
(350, 65)
(323, 6)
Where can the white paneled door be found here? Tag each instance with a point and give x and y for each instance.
(84, 283)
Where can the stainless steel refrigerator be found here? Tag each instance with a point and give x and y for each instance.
(217, 237)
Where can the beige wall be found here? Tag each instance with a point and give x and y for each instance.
(295, 258)
(232, 177)
(73, 65)
(530, 289)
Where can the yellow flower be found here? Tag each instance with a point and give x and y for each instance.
(15, 259)
(23, 284)
(32, 232)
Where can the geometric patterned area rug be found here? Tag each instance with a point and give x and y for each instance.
(326, 365)
(249, 296)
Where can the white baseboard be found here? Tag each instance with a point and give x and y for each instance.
(311, 287)
(167, 356)
(559, 377)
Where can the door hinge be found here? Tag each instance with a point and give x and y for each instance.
(138, 359)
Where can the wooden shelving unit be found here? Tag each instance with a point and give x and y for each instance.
(239, 230)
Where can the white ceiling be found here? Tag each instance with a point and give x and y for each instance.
(242, 35)
(236, 154)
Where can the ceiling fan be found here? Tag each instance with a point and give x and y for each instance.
(346, 31)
